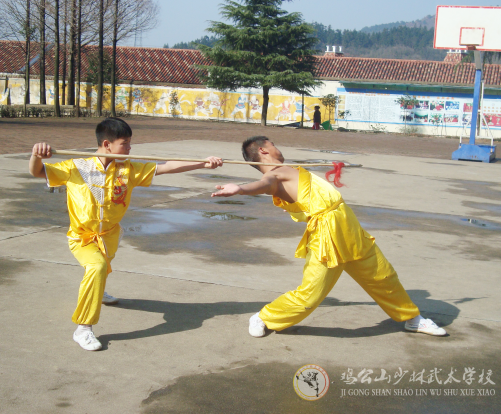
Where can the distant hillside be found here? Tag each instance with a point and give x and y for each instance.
(428, 22)
(205, 40)
(411, 40)
(399, 42)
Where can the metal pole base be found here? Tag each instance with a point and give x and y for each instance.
(468, 152)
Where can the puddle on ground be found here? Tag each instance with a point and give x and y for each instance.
(220, 232)
(415, 220)
(158, 221)
(475, 222)
(228, 226)
(488, 208)
(225, 216)
(325, 151)
(231, 202)
(372, 218)
(153, 190)
(313, 168)
(311, 162)
(182, 228)
(482, 189)
(31, 204)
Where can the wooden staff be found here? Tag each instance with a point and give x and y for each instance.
(151, 158)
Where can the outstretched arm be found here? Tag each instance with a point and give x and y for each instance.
(266, 185)
(40, 151)
(173, 167)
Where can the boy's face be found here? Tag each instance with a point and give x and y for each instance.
(273, 151)
(119, 146)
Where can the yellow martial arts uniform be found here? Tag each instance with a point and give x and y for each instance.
(97, 200)
(334, 241)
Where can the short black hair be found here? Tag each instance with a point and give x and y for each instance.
(250, 149)
(112, 129)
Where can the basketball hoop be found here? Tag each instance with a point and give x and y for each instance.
(473, 28)
(468, 28)
(471, 37)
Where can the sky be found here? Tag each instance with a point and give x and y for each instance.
(183, 21)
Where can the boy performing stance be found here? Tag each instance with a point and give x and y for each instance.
(333, 241)
(99, 191)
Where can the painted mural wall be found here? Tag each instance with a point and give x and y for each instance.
(241, 105)
(4, 92)
(13, 90)
(435, 113)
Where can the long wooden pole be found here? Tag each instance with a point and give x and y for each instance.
(152, 158)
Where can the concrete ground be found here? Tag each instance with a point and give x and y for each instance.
(191, 270)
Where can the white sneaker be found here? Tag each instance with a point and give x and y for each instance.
(109, 300)
(87, 341)
(256, 326)
(426, 326)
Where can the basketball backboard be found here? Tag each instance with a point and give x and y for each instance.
(468, 27)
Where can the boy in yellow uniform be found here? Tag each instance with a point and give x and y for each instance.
(333, 241)
(99, 191)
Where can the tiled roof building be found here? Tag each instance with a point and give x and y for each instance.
(404, 71)
(175, 66)
(146, 65)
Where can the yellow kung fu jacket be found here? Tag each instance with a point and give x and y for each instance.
(97, 197)
(333, 232)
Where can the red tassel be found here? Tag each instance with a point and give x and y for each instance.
(336, 172)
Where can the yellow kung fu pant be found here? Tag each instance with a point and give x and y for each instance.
(373, 272)
(90, 294)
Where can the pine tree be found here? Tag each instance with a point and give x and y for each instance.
(266, 47)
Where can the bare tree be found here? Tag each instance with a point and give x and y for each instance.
(114, 59)
(14, 18)
(105, 22)
(65, 49)
(134, 15)
(27, 29)
(71, 69)
(128, 16)
(56, 59)
(79, 54)
(41, 64)
(101, 59)
(17, 26)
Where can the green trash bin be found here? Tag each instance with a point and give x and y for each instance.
(327, 125)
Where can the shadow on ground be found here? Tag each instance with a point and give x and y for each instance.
(178, 316)
(187, 316)
(442, 313)
(9, 268)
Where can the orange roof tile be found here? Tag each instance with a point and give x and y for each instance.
(403, 71)
(176, 66)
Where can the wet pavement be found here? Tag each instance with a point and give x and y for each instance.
(192, 269)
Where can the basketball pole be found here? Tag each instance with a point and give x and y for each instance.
(476, 95)
(473, 151)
